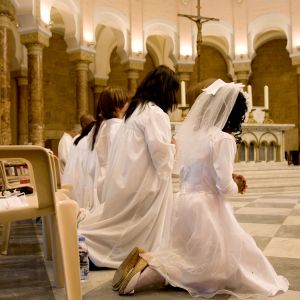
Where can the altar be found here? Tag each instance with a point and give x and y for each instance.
(262, 141)
(260, 156)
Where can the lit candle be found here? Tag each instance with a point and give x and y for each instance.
(249, 88)
(182, 89)
(266, 97)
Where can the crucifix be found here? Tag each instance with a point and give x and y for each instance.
(199, 20)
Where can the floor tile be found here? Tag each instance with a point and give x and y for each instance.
(277, 200)
(289, 231)
(270, 204)
(267, 230)
(263, 219)
(283, 247)
(264, 211)
(289, 295)
(288, 267)
(295, 212)
(262, 241)
(238, 204)
(292, 220)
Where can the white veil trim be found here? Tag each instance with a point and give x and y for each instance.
(209, 114)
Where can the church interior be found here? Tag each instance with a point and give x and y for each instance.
(57, 56)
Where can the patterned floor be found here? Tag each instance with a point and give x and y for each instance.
(272, 219)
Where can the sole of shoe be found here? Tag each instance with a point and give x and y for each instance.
(126, 266)
(139, 268)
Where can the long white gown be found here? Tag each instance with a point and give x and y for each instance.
(64, 146)
(102, 148)
(209, 252)
(137, 190)
(80, 171)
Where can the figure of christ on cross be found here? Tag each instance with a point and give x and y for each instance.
(199, 20)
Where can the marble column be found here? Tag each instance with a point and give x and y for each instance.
(22, 84)
(7, 13)
(35, 42)
(242, 71)
(296, 63)
(298, 88)
(133, 69)
(82, 59)
(99, 86)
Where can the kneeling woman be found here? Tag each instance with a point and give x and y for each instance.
(209, 252)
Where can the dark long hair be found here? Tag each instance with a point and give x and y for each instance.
(85, 131)
(110, 99)
(237, 117)
(160, 87)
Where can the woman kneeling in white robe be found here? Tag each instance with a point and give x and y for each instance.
(113, 103)
(137, 191)
(209, 252)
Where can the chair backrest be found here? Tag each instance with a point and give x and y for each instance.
(42, 170)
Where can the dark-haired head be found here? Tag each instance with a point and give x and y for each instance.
(237, 117)
(111, 102)
(194, 91)
(160, 87)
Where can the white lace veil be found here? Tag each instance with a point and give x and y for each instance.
(210, 110)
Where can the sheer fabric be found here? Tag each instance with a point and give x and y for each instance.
(209, 253)
(137, 191)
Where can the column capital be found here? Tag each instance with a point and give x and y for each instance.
(7, 9)
(99, 85)
(134, 65)
(184, 67)
(82, 55)
(242, 70)
(34, 38)
(184, 71)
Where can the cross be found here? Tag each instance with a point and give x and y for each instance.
(199, 20)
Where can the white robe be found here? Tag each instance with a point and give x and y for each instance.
(209, 252)
(80, 171)
(137, 190)
(102, 147)
(64, 146)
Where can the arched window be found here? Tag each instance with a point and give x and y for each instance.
(242, 152)
(251, 151)
(262, 151)
(271, 152)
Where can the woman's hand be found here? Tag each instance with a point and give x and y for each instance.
(241, 182)
(173, 141)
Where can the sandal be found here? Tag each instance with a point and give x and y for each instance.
(129, 282)
(126, 266)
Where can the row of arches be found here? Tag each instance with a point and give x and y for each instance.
(111, 29)
(263, 152)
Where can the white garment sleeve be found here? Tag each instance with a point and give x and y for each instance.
(63, 149)
(158, 138)
(223, 158)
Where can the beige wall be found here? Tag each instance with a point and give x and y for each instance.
(272, 66)
(117, 75)
(59, 88)
(212, 65)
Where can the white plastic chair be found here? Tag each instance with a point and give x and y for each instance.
(48, 203)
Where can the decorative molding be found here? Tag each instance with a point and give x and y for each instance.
(82, 55)
(7, 9)
(36, 37)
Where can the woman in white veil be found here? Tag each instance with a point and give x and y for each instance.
(209, 252)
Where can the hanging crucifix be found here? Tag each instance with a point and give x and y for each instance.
(199, 20)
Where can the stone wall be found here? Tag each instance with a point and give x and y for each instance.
(212, 65)
(272, 66)
(117, 75)
(59, 88)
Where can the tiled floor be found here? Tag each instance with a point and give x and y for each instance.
(272, 219)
